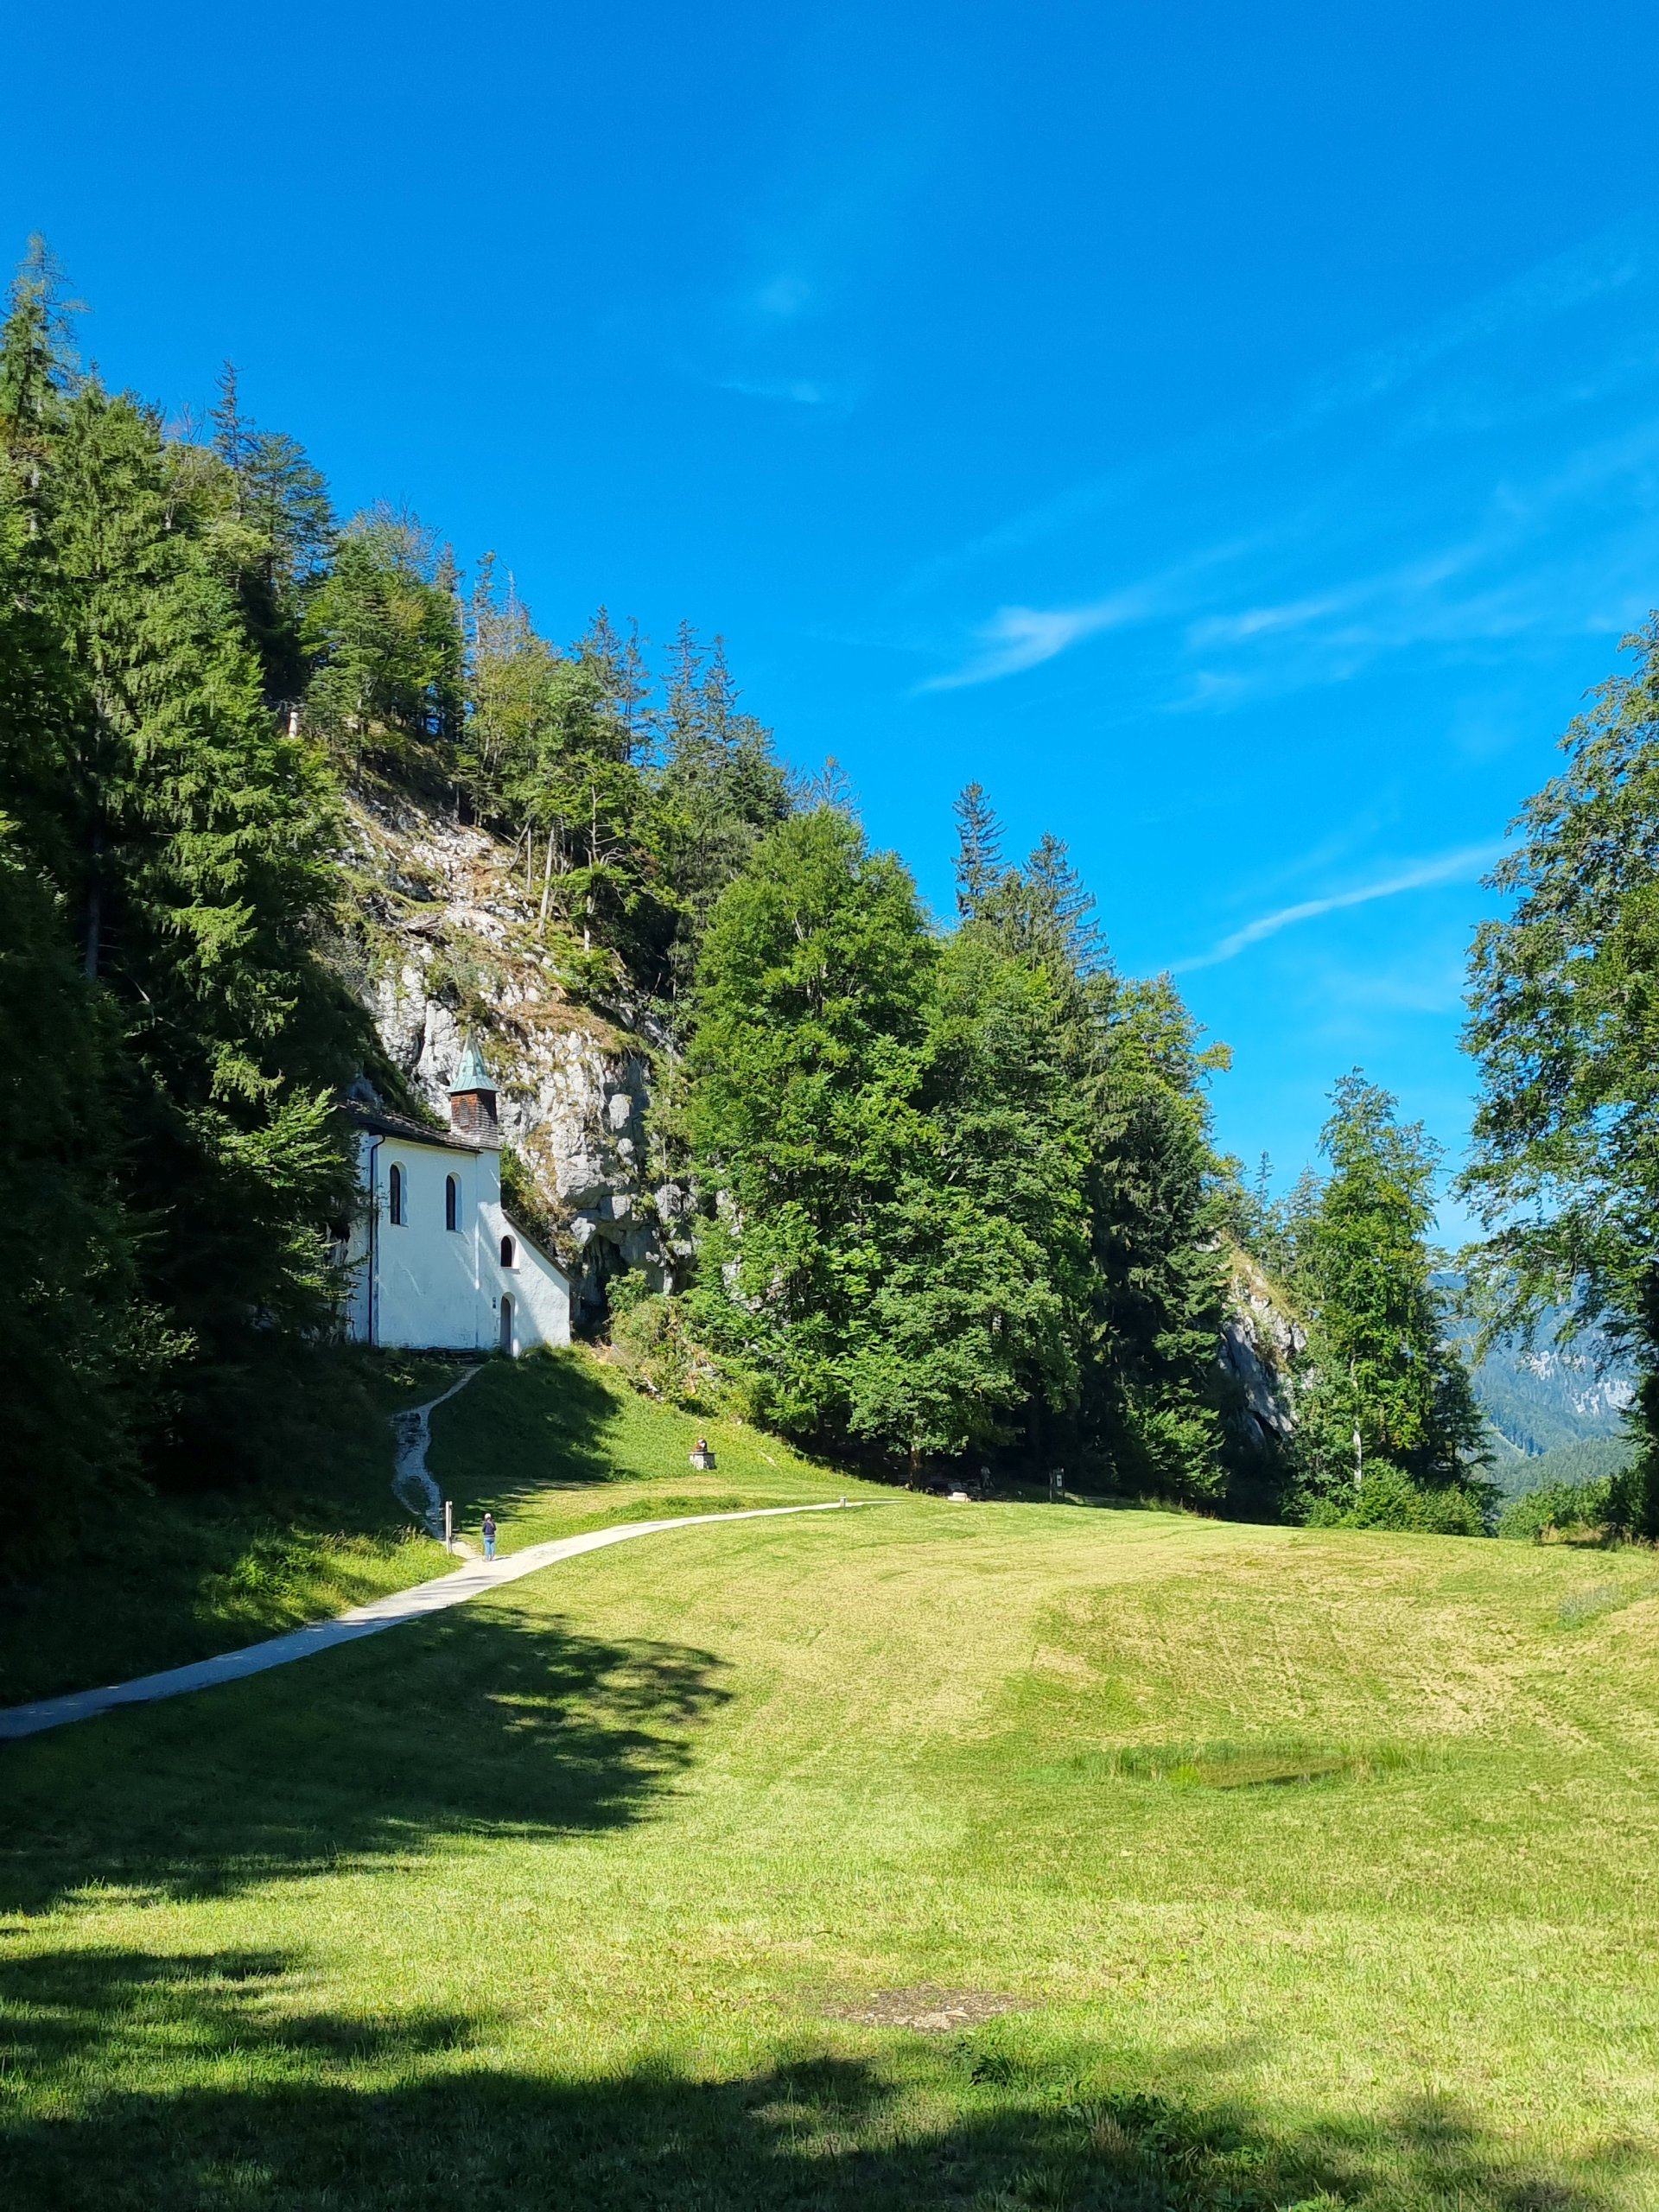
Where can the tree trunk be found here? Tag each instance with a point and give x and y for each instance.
(1644, 1477)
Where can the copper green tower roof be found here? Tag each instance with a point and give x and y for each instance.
(471, 1074)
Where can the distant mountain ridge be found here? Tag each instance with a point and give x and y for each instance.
(1548, 1397)
(1590, 1460)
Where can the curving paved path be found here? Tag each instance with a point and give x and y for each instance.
(472, 1580)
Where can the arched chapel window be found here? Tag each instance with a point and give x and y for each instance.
(508, 1257)
(451, 1202)
(395, 1196)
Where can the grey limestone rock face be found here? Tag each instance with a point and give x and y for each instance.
(574, 1091)
(1259, 1344)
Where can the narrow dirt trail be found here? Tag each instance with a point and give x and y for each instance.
(411, 1484)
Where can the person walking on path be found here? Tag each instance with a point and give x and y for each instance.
(488, 1532)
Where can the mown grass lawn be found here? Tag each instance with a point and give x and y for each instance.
(560, 1443)
(555, 1444)
(1221, 1865)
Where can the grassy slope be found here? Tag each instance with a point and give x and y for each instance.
(560, 1443)
(162, 1580)
(563, 1899)
(555, 1444)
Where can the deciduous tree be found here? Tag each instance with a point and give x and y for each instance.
(1564, 1026)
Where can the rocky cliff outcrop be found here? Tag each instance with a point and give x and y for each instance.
(445, 941)
(1261, 1340)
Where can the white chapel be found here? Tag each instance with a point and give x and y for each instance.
(436, 1261)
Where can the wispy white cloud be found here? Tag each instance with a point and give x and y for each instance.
(796, 391)
(1467, 862)
(1619, 260)
(1268, 621)
(1570, 550)
(1024, 636)
(1592, 271)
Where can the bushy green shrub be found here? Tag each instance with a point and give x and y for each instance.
(1556, 1508)
(654, 1343)
(1388, 1498)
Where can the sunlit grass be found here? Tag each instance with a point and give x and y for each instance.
(561, 1442)
(1239, 1866)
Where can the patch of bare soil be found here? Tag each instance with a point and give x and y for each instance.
(934, 2012)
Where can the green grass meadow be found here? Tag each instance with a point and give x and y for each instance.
(928, 1854)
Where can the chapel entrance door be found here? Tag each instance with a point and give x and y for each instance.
(506, 1326)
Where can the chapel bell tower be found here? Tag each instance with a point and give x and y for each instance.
(471, 1101)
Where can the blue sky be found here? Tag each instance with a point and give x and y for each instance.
(1230, 435)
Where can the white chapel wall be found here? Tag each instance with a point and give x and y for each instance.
(421, 1285)
(540, 1294)
(428, 1275)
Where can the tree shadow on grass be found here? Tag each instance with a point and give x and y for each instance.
(195, 2083)
(484, 1721)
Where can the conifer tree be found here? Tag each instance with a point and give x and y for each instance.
(514, 704)
(38, 368)
(1144, 1345)
(82, 1357)
(1387, 1391)
(196, 860)
(979, 853)
(274, 527)
(384, 633)
(1150, 1395)
(720, 789)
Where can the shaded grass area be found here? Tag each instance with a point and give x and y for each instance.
(486, 1723)
(556, 1443)
(559, 1442)
(282, 2116)
(1244, 1867)
(163, 1578)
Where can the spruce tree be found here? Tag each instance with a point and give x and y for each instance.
(1147, 1403)
(197, 860)
(719, 786)
(1387, 1395)
(271, 520)
(1151, 1387)
(83, 1359)
(979, 853)
(383, 631)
